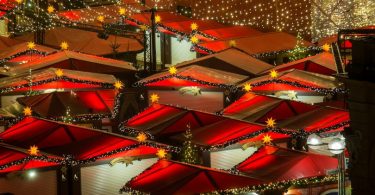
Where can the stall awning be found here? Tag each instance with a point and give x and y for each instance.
(271, 164)
(170, 177)
(82, 143)
(258, 108)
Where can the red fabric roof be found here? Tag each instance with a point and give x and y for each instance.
(258, 108)
(10, 154)
(80, 103)
(317, 119)
(169, 177)
(59, 139)
(272, 164)
(145, 18)
(229, 32)
(184, 26)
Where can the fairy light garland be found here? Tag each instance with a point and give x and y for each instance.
(26, 52)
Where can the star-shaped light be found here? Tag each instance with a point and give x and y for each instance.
(59, 72)
(194, 26)
(19, 1)
(194, 39)
(157, 19)
(33, 151)
(274, 74)
(143, 27)
(326, 47)
(271, 122)
(64, 45)
(154, 98)
(141, 137)
(31, 45)
(122, 11)
(50, 9)
(247, 87)
(266, 139)
(172, 70)
(161, 153)
(232, 43)
(118, 85)
(27, 111)
(100, 18)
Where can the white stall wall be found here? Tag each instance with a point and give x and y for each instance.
(44, 183)
(227, 159)
(207, 101)
(106, 180)
(181, 51)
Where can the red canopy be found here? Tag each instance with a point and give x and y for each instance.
(169, 177)
(322, 63)
(229, 32)
(145, 17)
(164, 121)
(64, 139)
(272, 164)
(11, 154)
(317, 119)
(80, 103)
(258, 108)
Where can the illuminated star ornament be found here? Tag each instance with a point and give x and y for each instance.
(271, 122)
(59, 72)
(157, 19)
(141, 137)
(266, 139)
(172, 70)
(27, 111)
(100, 18)
(143, 27)
(33, 151)
(122, 11)
(50, 9)
(232, 43)
(194, 39)
(194, 26)
(64, 45)
(118, 85)
(247, 87)
(154, 98)
(274, 74)
(161, 153)
(19, 1)
(31, 45)
(326, 47)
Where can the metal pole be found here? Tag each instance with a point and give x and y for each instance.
(341, 173)
(153, 41)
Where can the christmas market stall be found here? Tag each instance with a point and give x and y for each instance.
(284, 169)
(194, 86)
(80, 147)
(258, 108)
(322, 63)
(171, 177)
(297, 85)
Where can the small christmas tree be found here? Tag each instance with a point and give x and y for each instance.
(189, 150)
(299, 51)
(68, 118)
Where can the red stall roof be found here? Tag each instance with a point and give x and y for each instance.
(322, 63)
(200, 73)
(229, 32)
(79, 103)
(171, 122)
(47, 79)
(230, 60)
(262, 43)
(170, 177)
(258, 108)
(295, 76)
(185, 26)
(73, 61)
(11, 154)
(22, 48)
(317, 119)
(65, 139)
(271, 163)
(145, 17)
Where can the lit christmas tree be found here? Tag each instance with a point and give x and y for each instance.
(299, 51)
(189, 150)
(68, 118)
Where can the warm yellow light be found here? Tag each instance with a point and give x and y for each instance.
(271, 122)
(122, 11)
(161, 153)
(157, 19)
(266, 139)
(118, 85)
(274, 74)
(27, 111)
(33, 151)
(194, 26)
(326, 47)
(194, 39)
(154, 98)
(31, 45)
(247, 87)
(100, 18)
(142, 137)
(172, 70)
(232, 43)
(64, 45)
(59, 72)
(50, 9)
